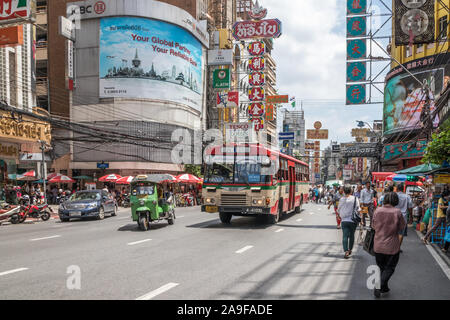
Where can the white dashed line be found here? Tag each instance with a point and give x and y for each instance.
(158, 291)
(311, 213)
(180, 216)
(279, 230)
(138, 242)
(298, 220)
(244, 249)
(45, 238)
(12, 271)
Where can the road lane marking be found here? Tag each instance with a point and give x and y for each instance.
(45, 238)
(138, 242)
(311, 213)
(123, 218)
(12, 271)
(244, 249)
(158, 291)
(298, 220)
(279, 230)
(445, 268)
(180, 216)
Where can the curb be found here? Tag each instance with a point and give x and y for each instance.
(442, 260)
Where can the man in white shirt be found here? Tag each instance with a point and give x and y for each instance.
(405, 205)
(366, 199)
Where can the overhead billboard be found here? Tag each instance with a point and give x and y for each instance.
(14, 10)
(145, 58)
(414, 21)
(404, 97)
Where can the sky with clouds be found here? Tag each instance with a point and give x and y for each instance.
(311, 63)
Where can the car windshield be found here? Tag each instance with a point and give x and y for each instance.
(85, 196)
(142, 190)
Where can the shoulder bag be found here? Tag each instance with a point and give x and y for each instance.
(356, 218)
(368, 241)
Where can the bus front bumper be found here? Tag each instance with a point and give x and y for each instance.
(241, 210)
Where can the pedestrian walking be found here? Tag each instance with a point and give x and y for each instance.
(348, 204)
(335, 202)
(388, 222)
(357, 193)
(366, 199)
(440, 216)
(405, 205)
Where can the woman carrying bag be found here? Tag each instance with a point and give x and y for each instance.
(348, 213)
(388, 221)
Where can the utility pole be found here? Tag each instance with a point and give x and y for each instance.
(42, 147)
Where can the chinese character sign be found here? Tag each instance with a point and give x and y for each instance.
(256, 79)
(269, 112)
(356, 27)
(227, 99)
(356, 49)
(356, 7)
(256, 64)
(256, 94)
(258, 123)
(256, 110)
(256, 48)
(356, 71)
(356, 94)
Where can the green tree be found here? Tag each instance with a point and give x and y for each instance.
(438, 149)
(196, 170)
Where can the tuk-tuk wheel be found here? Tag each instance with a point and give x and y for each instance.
(171, 221)
(143, 223)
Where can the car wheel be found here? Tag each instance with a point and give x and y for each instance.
(64, 219)
(101, 214)
(225, 217)
(114, 213)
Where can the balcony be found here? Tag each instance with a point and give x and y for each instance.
(41, 15)
(41, 52)
(41, 86)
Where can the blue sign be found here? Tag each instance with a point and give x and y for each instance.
(406, 150)
(356, 71)
(286, 136)
(356, 49)
(317, 176)
(356, 7)
(356, 27)
(356, 94)
(102, 165)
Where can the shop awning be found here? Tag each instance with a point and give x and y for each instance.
(420, 169)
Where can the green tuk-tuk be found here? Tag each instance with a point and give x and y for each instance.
(149, 202)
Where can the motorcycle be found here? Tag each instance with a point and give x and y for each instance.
(189, 199)
(125, 200)
(10, 214)
(31, 210)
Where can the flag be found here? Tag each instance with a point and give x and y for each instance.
(293, 101)
(293, 104)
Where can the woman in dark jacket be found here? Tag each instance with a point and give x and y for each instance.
(388, 221)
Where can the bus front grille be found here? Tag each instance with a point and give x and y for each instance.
(233, 200)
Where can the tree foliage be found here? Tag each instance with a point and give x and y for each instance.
(438, 149)
(196, 170)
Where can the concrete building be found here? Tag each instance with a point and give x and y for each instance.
(294, 121)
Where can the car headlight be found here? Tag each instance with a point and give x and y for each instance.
(91, 206)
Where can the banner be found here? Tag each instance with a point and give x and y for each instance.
(257, 29)
(414, 21)
(145, 58)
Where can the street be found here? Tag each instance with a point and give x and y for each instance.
(199, 258)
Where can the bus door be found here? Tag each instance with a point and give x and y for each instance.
(291, 188)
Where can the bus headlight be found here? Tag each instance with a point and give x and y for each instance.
(258, 201)
(210, 200)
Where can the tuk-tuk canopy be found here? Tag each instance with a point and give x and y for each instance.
(155, 178)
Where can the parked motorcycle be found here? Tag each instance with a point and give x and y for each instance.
(31, 210)
(10, 214)
(125, 200)
(189, 199)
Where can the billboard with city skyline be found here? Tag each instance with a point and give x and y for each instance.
(145, 58)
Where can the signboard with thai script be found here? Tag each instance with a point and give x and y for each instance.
(26, 131)
(314, 134)
(363, 150)
(227, 99)
(277, 99)
(11, 9)
(405, 150)
(270, 28)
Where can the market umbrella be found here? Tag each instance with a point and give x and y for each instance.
(188, 178)
(110, 178)
(62, 179)
(52, 175)
(12, 176)
(400, 177)
(420, 169)
(28, 176)
(125, 180)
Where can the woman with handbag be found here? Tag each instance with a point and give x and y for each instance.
(388, 221)
(348, 205)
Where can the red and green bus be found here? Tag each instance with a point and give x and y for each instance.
(252, 180)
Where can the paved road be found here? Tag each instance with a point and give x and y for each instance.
(200, 258)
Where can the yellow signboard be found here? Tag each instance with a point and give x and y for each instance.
(442, 178)
(317, 134)
(28, 129)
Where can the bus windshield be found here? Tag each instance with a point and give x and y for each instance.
(238, 173)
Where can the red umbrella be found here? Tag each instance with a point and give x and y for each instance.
(62, 179)
(31, 173)
(110, 178)
(52, 175)
(125, 180)
(188, 178)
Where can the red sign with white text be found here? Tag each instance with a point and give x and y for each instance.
(256, 79)
(270, 28)
(256, 110)
(256, 64)
(256, 48)
(256, 94)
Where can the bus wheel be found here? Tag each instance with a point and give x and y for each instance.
(274, 218)
(225, 217)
